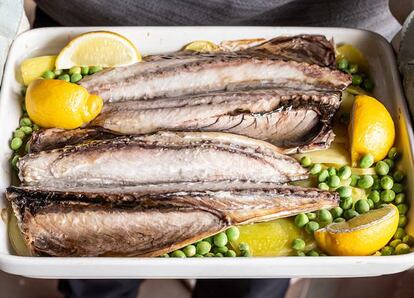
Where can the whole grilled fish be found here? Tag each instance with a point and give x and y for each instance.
(63, 224)
(182, 74)
(293, 120)
(182, 157)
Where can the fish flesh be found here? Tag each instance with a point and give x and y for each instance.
(64, 223)
(292, 120)
(195, 73)
(164, 157)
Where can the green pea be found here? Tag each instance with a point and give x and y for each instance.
(220, 239)
(298, 244)
(399, 234)
(58, 72)
(353, 68)
(399, 198)
(323, 175)
(16, 143)
(198, 256)
(84, 70)
(26, 129)
(312, 253)
(382, 168)
(14, 160)
(387, 182)
(219, 255)
(346, 203)
(393, 153)
(300, 253)
(402, 221)
(336, 212)
(311, 215)
(316, 168)
(344, 191)
(374, 196)
(233, 233)
(189, 250)
(361, 206)
(366, 161)
(324, 216)
(332, 171)
(48, 74)
(334, 181)
(25, 122)
(339, 219)
(398, 176)
(370, 203)
(311, 227)
(94, 69)
(387, 196)
(165, 256)
(301, 220)
(231, 253)
(387, 250)
(246, 253)
(398, 188)
(209, 240)
(402, 248)
(395, 242)
(365, 182)
(35, 127)
(222, 249)
(74, 69)
(178, 254)
(368, 85)
(64, 77)
(408, 239)
(244, 246)
(354, 180)
(390, 163)
(305, 161)
(377, 183)
(343, 64)
(76, 77)
(203, 247)
(344, 172)
(356, 80)
(18, 133)
(209, 255)
(402, 208)
(350, 213)
(323, 186)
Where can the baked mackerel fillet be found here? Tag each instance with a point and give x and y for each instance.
(293, 120)
(165, 157)
(180, 74)
(59, 223)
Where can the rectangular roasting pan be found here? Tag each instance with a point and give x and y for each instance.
(152, 40)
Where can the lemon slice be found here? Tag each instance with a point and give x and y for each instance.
(103, 48)
(201, 46)
(362, 235)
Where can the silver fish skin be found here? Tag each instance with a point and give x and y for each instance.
(201, 73)
(164, 157)
(70, 224)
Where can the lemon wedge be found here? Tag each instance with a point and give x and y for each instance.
(201, 46)
(360, 236)
(371, 129)
(103, 48)
(273, 238)
(56, 103)
(33, 68)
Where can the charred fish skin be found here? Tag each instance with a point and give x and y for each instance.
(160, 158)
(293, 120)
(58, 223)
(210, 72)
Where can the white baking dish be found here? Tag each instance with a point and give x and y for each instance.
(151, 40)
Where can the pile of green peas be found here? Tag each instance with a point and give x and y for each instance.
(214, 246)
(358, 78)
(385, 187)
(73, 75)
